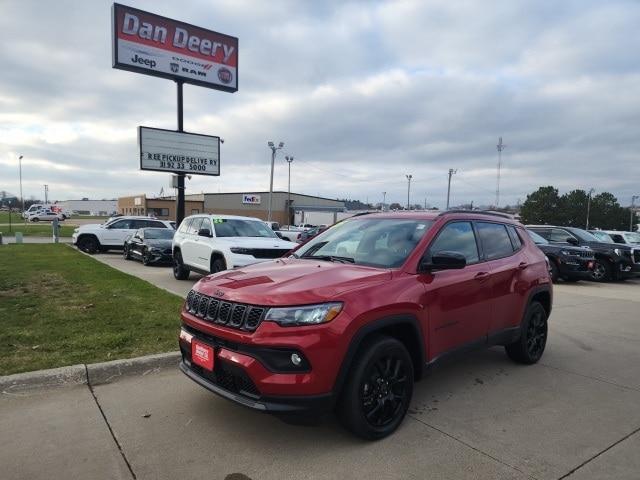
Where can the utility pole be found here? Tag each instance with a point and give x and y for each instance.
(274, 149)
(46, 194)
(452, 172)
(500, 146)
(589, 206)
(180, 208)
(409, 177)
(384, 200)
(20, 169)
(633, 202)
(289, 159)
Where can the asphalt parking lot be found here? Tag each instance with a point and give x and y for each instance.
(574, 415)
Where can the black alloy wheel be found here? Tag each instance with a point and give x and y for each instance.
(601, 271)
(146, 257)
(553, 271)
(126, 253)
(89, 245)
(383, 391)
(528, 349)
(180, 272)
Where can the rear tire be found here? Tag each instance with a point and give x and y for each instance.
(180, 272)
(528, 349)
(378, 390)
(554, 271)
(35, 219)
(89, 245)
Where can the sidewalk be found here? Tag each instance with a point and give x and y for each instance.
(12, 239)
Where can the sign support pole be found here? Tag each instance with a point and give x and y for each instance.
(180, 196)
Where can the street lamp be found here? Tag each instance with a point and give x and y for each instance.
(633, 201)
(274, 149)
(384, 200)
(589, 205)
(409, 177)
(289, 159)
(20, 169)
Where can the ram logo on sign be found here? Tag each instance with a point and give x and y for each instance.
(147, 43)
(249, 199)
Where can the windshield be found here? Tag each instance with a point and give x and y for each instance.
(537, 239)
(227, 227)
(383, 242)
(603, 237)
(584, 235)
(632, 237)
(158, 234)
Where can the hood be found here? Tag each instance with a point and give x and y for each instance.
(257, 242)
(557, 246)
(608, 246)
(290, 281)
(158, 242)
(90, 226)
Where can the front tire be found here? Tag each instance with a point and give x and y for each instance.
(528, 349)
(218, 265)
(146, 259)
(554, 272)
(378, 391)
(602, 271)
(180, 272)
(126, 253)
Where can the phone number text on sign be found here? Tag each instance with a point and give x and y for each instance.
(178, 152)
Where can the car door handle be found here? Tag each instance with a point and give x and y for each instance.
(523, 265)
(481, 276)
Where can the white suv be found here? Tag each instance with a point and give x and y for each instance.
(212, 243)
(96, 237)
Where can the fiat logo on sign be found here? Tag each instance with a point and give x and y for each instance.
(224, 75)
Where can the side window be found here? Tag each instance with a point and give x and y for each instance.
(456, 237)
(206, 223)
(495, 240)
(122, 224)
(155, 224)
(617, 237)
(559, 235)
(544, 233)
(139, 224)
(194, 226)
(515, 238)
(185, 225)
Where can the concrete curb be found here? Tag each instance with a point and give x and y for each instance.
(93, 373)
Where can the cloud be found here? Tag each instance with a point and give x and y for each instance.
(362, 93)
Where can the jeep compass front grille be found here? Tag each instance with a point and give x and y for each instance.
(234, 315)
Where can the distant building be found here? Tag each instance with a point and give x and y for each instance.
(85, 206)
(250, 204)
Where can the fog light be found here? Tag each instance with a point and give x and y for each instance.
(295, 359)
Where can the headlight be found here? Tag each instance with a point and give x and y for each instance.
(155, 249)
(617, 251)
(243, 251)
(304, 315)
(566, 252)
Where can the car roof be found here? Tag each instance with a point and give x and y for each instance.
(225, 217)
(433, 215)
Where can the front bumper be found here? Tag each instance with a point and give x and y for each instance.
(160, 257)
(628, 270)
(576, 267)
(240, 375)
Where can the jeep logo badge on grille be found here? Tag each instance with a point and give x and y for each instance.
(219, 293)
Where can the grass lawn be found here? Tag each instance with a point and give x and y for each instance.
(59, 307)
(41, 229)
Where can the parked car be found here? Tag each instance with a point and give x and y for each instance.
(45, 215)
(616, 236)
(566, 261)
(290, 232)
(310, 233)
(350, 319)
(151, 245)
(613, 261)
(211, 243)
(94, 237)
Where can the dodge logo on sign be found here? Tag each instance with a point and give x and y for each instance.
(178, 50)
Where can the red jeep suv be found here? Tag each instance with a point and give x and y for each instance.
(349, 320)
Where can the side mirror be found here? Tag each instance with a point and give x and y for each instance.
(204, 232)
(572, 241)
(444, 261)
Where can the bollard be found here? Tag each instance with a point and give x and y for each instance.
(55, 227)
(18, 237)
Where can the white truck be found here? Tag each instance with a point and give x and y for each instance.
(209, 243)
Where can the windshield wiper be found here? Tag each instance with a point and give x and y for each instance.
(330, 258)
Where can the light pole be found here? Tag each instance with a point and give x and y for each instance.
(20, 170)
(452, 172)
(46, 194)
(274, 149)
(500, 146)
(589, 205)
(289, 159)
(384, 200)
(409, 177)
(633, 201)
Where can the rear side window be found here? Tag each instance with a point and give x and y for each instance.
(515, 238)
(121, 224)
(495, 240)
(456, 237)
(155, 224)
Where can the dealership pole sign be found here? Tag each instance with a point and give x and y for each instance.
(171, 151)
(154, 45)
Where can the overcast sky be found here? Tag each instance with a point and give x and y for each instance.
(362, 93)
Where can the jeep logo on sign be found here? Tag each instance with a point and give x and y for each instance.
(224, 75)
(175, 67)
